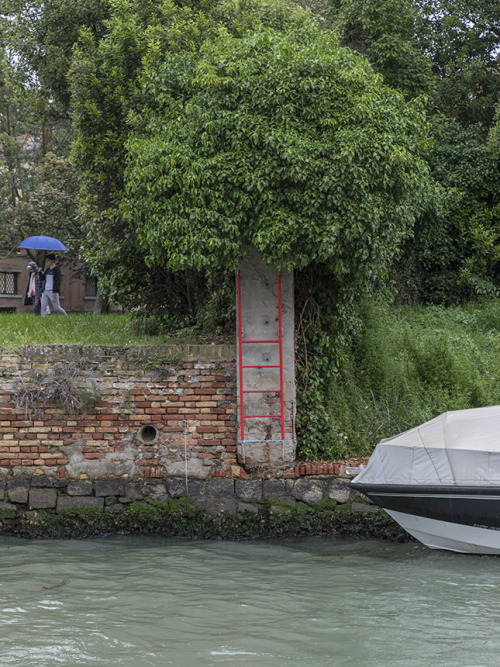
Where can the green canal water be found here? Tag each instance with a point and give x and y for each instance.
(318, 602)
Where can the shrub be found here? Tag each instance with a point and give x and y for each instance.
(406, 366)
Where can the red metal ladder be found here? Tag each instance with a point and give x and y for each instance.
(242, 367)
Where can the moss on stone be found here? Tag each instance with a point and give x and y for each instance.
(181, 517)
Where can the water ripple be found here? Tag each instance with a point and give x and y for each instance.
(312, 602)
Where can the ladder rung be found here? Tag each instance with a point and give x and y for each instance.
(260, 341)
(260, 416)
(243, 442)
(277, 366)
(261, 391)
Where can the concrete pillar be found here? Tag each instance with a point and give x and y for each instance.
(262, 442)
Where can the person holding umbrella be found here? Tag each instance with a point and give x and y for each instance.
(34, 288)
(52, 277)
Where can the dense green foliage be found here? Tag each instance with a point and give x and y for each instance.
(286, 142)
(212, 167)
(45, 203)
(42, 34)
(384, 31)
(409, 365)
(106, 89)
(446, 49)
(449, 52)
(280, 141)
(38, 184)
(462, 37)
(455, 253)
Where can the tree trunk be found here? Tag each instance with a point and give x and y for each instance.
(101, 305)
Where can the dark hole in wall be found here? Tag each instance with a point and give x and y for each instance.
(148, 434)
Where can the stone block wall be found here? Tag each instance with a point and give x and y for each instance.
(81, 414)
(214, 495)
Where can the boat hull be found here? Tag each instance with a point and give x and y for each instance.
(462, 519)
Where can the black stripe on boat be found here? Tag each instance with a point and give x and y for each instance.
(466, 505)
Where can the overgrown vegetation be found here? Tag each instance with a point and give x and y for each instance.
(406, 365)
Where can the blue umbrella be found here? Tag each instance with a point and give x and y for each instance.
(42, 243)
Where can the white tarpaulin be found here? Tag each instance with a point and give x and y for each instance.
(456, 448)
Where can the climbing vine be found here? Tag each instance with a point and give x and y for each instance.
(327, 315)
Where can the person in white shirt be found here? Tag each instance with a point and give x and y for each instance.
(52, 277)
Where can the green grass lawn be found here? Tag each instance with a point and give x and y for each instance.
(77, 329)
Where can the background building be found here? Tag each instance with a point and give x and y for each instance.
(78, 290)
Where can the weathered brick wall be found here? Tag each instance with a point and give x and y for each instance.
(144, 412)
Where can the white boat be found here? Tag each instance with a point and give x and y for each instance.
(441, 480)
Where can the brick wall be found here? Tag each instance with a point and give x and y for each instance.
(144, 412)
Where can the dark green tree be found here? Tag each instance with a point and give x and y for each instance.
(42, 33)
(281, 141)
(385, 32)
(455, 251)
(462, 39)
(107, 95)
(38, 190)
(40, 186)
(106, 89)
(455, 47)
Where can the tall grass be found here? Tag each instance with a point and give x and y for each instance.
(411, 364)
(76, 329)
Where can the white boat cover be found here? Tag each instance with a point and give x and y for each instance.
(457, 448)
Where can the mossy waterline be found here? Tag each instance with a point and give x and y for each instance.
(181, 517)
